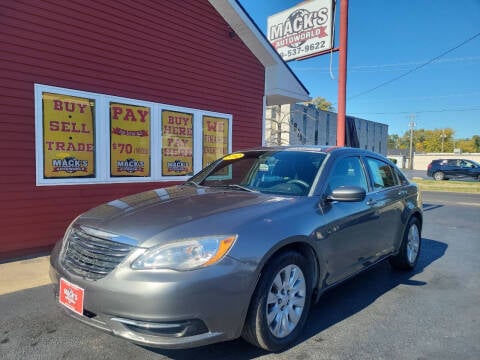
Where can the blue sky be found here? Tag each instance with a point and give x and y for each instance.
(388, 38)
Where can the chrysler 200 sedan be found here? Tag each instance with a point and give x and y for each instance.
(241, 249)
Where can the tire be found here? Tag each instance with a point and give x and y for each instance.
(280, 304)
(409, 252)
(439, 176)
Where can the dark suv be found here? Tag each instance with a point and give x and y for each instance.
(444, 169)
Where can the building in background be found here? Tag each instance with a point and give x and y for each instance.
(299, 124)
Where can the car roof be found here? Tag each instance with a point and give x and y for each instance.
(337, 150)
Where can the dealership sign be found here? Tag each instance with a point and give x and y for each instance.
(303, 30)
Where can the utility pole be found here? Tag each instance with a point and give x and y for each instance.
(342, 73)
(411, 124)
(443, 136)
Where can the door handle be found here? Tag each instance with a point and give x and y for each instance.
(371, 202)
(402, 192)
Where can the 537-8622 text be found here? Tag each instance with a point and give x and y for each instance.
(319, 45)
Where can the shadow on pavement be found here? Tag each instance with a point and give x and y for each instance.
(428, 207)
(334, 306)
(358, 293)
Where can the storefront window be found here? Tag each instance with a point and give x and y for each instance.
(91, 138)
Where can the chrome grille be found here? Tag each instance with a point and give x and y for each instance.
(91, 257)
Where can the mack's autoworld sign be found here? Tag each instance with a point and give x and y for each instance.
(303, 30)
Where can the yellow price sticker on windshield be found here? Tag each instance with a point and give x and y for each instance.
(234, 156)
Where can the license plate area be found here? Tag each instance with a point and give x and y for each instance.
(71, 296)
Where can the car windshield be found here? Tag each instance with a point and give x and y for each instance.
(281, 172)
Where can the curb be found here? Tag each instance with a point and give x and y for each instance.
(24, 274)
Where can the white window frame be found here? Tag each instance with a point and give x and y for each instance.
(102, 138)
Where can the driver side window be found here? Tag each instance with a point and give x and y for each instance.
(347, 172)
(467, 164)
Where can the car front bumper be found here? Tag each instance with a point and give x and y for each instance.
(167, 309)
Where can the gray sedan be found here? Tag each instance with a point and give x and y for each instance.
(241, 249)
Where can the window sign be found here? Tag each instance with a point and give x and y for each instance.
(129, 140)
(90, 138)
(68, 136)
(215, 139)
(177, 143)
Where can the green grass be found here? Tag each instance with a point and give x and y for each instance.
(448, 185)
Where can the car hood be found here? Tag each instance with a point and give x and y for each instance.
(181, 211)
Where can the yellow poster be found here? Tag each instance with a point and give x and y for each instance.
(177, 143)
(215, 139)
(129, 140)
(68, 136)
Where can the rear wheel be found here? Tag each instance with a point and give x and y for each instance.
(439, 175)
(407, 257)
(280, 303)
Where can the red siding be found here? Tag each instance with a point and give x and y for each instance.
(174, 52)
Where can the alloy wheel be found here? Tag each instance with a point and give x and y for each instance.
(413, 244)
(286, 301)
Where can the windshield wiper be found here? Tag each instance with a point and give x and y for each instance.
(238, 187)
(190, 182)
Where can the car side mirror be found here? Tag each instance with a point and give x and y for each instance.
(347, 194)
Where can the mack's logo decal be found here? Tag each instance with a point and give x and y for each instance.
(130, 165)
(70, 296)
(69, 165)
(300, 26)
(178, 166)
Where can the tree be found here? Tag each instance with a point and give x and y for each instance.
(395, 142)
(476, 143)
(321, 103)
(434, 141)
(466, 145)
(277, 126)
(437, 140)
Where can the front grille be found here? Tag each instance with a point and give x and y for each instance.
(91, 257)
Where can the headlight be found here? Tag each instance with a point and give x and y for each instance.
(186, 254)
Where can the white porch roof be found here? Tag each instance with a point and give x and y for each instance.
(281, 84)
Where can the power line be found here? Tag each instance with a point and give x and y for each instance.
(429, 97)
(389, 67)
(414, 69)
(417, 112)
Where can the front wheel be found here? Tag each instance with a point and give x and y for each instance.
(407, 257)
(280, 303)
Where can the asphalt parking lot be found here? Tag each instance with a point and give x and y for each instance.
(431, 313)
(422, 174)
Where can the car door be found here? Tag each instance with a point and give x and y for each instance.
(347, 229)
(473, 169)
(452, 168)
(468, 169)
(387, 200)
